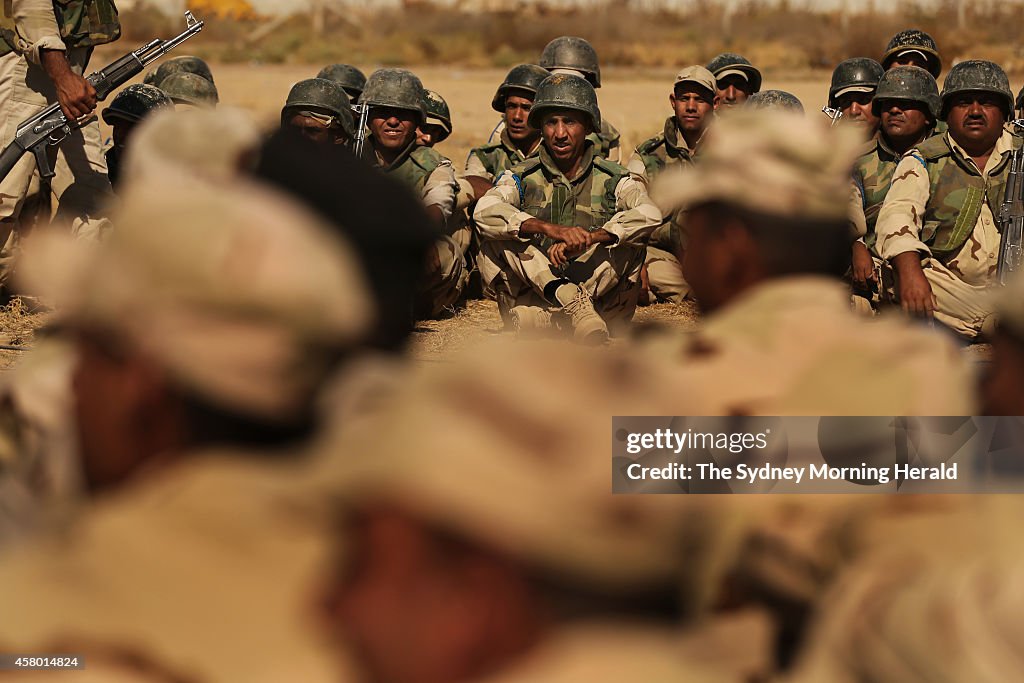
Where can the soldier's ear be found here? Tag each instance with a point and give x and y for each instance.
(672, 99)
(716, 101)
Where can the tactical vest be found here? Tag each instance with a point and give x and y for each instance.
(82, 23)
(958, 193)
(873, 173)
(607, 138)
(657, 153)
(588, 203)
(415, 168)
(499, 157)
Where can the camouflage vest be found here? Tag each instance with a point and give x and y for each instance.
(500, 156)
(663, 150)
(958, 193)
(872, 173)
(414, 167)
(82, 23)
(587, 202)
(608, 138)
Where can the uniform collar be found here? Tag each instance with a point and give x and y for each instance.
(507, 143)
(674, 139)
(589, 153)
(1002, 150)
(372, 156)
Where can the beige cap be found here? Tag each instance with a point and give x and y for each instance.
(774, 162)
(241, 295)
(699, 75)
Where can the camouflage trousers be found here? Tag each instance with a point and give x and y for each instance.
(443, 287)
(80, 187)
(518, 272)
(665, 276)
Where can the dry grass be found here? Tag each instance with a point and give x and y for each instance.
(18, 324)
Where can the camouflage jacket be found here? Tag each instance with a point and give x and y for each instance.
(57, 24)
(665, 149)
(610, 140)
(604, 195)
(429, 174)
(490, 161)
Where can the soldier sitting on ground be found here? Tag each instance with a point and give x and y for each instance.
(437, 124)
(567, 229)
(736, 78)
(853, 85)
(174, 65)
(320, 110)
(125, 112)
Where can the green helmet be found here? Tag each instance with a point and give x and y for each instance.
(523, 77)
(136, 102)
(570, 52)
(349, 77)
(913, 40)
(189, 88)
(182, 64)
(908, 83)
(563, 91)
(977, 75)
(775, 99)
(728, 63)
(857, 74)
(438, 113)
(322, 96)
(396, 88)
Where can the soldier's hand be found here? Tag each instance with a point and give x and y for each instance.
(916, 296)
(556, 254)
(863, 270)
(76, 95)
(575, 239)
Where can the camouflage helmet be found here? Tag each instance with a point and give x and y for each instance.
(563, 91)
(977, 75)
(570, 52)
(728, 63)
(523, 77)
(908, 83)
(188, 88)
(349, 77)
(860, 74)
(396, 88)
(321, 95)
(184, 63)
(916, 40)
(135, 102)
(775, 99)
(438, 114)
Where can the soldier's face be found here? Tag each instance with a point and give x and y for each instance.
(122, 132)
(975, 119)
(692, 107)
(517, 113)
(565, 134)
(911, 59)
(316, 131)
(392, 128)
(902, 119)
(429, 134)
(856, 106)
(733, 90)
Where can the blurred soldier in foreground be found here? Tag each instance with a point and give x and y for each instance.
(518, 140)
(736, 78)
(437, 124)
(1003, 388)
(566, 229)
(397, 104)
(173, 65)
(907, 103)
(775, 99)
(348, 77)
(780, 335)
(854, 82)
(320, 110)
(693, 103)
(913, 47)
(937, 224)
(577, 57)
(125, 112)
(190, 90)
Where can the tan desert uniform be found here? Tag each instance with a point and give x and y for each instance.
(611, 272)
(961, 282)
(490, 161)
(80, 186)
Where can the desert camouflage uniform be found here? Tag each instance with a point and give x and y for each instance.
(943, 207)
(604, 195)
(80, 185)
(490, 161)
(431, 176)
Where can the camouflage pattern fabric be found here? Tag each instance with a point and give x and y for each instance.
(666, 149)
(490, 161)
(79, 23)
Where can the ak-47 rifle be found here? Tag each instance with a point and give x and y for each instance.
(833, 113)
(49, 127)
(1011, 214)
(363, 111)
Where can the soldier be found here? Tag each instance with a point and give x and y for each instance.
(693, 101)
(518, 141)
(937, 224)
(320, 110)
(913, 47)
(907, 104)
(397, 107)
(775, 99)
(768, 239)
(190, 90)
(567, 228)
(577, 57)
(182, 64)
(349, 77)
(437, 125)
(853, 85)
(44, 50)
(127, 110)
(736, 77)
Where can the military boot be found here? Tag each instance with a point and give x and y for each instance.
(588, 327)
